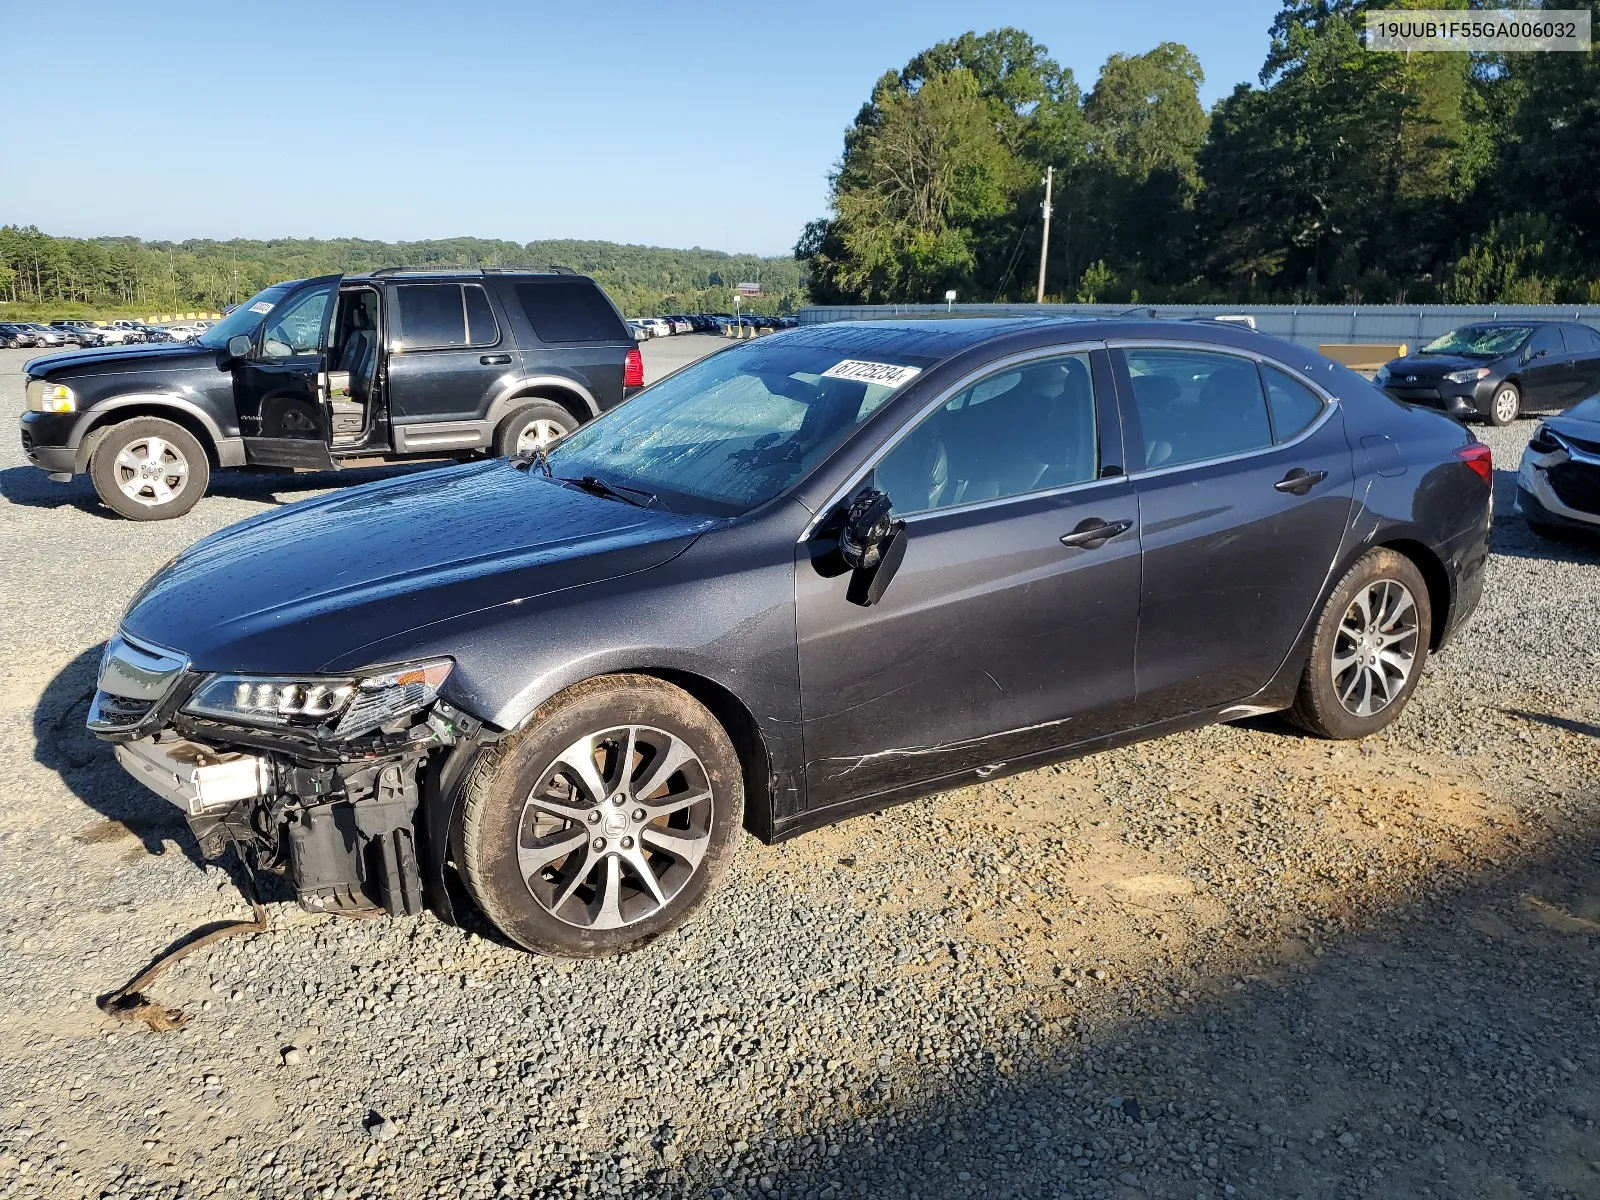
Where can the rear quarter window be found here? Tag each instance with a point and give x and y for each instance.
(567, 309)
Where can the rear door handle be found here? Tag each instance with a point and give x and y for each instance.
(1300, 481)
(494, 360)
(1093, 533)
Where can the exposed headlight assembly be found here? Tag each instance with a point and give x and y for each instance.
(1382, 377)
(1469, 376)
(348, 706)
(44, 396)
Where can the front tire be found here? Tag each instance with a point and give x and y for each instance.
(536, 425)
(149, 469)
(1506, 406)
(606, 821)
(1369, 649)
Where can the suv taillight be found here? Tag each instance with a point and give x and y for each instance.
(633, 369)
(1480, 458)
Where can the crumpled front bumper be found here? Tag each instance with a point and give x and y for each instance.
(1533, 484)
(196, 778)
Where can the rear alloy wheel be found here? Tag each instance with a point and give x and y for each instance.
(148, 469)
(606, 822)
(1506, 406)
(537, 425)
(1369, 649)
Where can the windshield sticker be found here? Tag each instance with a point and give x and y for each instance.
(261, 306)
(887, 374)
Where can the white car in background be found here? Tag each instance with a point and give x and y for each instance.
(641, 331)
(658, 327)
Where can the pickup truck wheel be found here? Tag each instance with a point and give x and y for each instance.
(148, 469)
(534, 426)
(606, 822)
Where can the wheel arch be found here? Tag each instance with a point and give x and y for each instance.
(1434, 574)
(568, 393)
(102, 418)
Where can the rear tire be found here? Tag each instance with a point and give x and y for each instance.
(148, 469)
(1506, 406)
(1369, 649)
(612, 780)
(535, 425)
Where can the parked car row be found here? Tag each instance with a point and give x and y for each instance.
(665, 326)
(58, 335)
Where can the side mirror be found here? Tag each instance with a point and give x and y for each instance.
(873, 544)
(867, 525)
(239, 346)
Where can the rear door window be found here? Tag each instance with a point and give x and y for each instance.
(432, 315)
(1194, 405)
(567, 309)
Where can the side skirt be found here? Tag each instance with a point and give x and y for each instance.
(804, 822)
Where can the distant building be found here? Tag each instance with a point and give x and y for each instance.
(747, 289)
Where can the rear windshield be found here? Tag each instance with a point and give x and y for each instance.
(735, 429)
(567, 309)
(1489, 340)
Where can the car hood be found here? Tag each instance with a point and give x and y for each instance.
(1435, 366)
(304, 589)
(1582, 420)
(101, 360)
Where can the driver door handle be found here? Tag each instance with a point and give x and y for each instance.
(494, 360)
(1094, 533)
(1300, 481)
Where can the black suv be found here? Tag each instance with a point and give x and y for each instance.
(393, 365)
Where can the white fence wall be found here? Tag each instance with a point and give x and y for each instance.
(1307, 325)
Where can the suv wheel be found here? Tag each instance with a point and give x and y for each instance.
(606, 822)
(1369, 649)
(148, 469)
(534, 426)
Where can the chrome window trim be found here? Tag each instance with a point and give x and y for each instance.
(1043, 493)
(1329, 400)
(941, 398)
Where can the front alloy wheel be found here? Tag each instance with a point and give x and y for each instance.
(149, 469)
(616, 827)
(1506, 405)
(605, 821)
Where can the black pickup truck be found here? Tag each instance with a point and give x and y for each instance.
(395, 365)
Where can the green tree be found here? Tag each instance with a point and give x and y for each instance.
(928, 167)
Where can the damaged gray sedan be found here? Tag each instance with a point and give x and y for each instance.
(809, 576)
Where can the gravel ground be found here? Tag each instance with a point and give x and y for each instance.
(1236, 962)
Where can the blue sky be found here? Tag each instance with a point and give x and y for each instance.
(673, 124)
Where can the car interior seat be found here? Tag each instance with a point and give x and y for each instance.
(1232, 413)
(1155, 396)
(359, 355)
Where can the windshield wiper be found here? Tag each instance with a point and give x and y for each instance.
(596, 486)
(523, 459)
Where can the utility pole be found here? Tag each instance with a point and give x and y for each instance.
(1044, 246)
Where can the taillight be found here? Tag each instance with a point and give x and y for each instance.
(633, 369)
(1480, 458)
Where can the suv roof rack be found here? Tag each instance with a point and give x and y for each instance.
(384, 272)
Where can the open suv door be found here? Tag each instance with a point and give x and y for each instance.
(281, 387)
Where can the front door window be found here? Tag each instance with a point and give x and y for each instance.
(296, 327)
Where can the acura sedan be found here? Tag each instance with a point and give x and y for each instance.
(805, 577)
(1498, 370)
